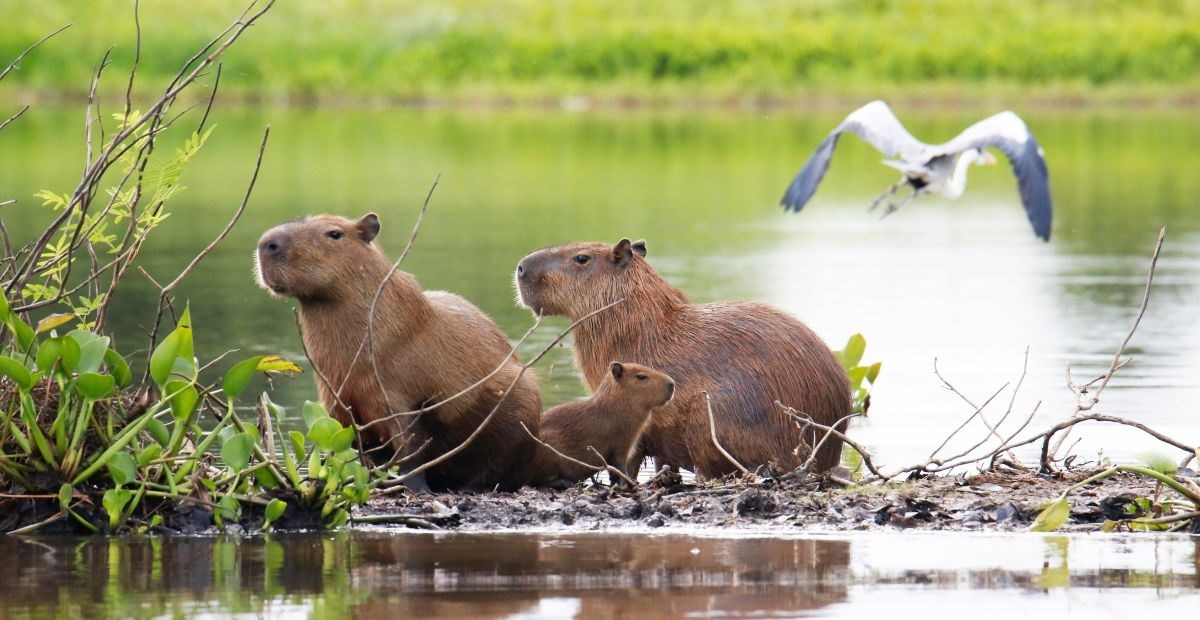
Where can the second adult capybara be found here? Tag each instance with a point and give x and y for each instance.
(427, 347)
(610, 423)
(744, 355)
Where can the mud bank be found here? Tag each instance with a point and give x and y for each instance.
(990, 501)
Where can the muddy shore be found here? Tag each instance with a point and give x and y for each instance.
(990, 501)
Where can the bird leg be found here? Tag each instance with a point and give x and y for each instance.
(892, 189)
(893, 207)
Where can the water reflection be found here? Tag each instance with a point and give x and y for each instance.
(383, 574)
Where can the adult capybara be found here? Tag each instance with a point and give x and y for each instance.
(427, 347)
(744, 355)
(611, 422)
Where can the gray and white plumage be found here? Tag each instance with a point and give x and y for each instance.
(937, 168)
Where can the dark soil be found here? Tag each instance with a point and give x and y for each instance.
(991, 501)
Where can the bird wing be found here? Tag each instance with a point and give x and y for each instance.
(1007, 132)
(876, 125)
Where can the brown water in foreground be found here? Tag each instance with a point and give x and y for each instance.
(374, 574)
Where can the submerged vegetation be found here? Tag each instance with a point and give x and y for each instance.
(679, 49)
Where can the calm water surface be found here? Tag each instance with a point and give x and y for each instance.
(382, 574)
(965, 283)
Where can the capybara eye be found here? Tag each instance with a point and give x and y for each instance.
(582, 259)
(642, 377)
(334, 234)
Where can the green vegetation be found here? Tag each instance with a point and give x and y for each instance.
(1158, 513)
(850, 357)
(73, 429)
(675, 49)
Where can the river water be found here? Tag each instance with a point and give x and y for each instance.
(964, 283)
(370, 574)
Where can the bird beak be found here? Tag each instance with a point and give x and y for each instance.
(987, 158)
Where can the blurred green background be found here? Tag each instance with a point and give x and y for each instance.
(724, 51)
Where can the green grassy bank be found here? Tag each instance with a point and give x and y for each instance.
(353, 50)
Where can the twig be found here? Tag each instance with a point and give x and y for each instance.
(14, 117)
(812, 457)
(30, 49)
(1082, 407)
(712, 431)
(595, 468)
(863, 452)
(369, 338)
(610, 469)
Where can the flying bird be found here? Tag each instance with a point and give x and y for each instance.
(940, 168)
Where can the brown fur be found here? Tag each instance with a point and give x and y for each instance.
(428, 346)
(611, 421)
(745, 355)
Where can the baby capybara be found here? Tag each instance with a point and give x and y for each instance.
(744, 355)
(427, 347)
(611, 422)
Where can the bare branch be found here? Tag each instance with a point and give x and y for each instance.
(16, 62)
(712, 431)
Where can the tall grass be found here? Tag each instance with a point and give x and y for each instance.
(354, 49)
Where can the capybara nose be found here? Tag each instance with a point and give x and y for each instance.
(521, 270)
(270, 247)
(670, 389)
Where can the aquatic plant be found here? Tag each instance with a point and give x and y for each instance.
(861, 377)
(74, 428)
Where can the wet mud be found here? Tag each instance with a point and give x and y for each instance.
(989, 501)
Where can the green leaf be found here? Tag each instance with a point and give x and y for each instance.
(118, 367)
(1052, 516)
(239, 376)
(857, 374)
(177, 345)
(92, 349)
(873, 371)
(297, 443)
(313, 412)
(158, 431)
(147, 455)
(25, 336)
(228, 508)
(266, 479)
(853, 352)
(64, 496)
(122, 468)
(5, 308)
(52, 321)
(184, 399)
(323, 431)
(114, 502)
(1159, 462)
(236, 451)
(94, 386)
(277, 413)
(342, 440)
(58, 353)
(275, 509)
(16, 371)
(340, 517)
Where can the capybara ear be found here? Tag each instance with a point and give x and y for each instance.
(622, 251)
(639, 246)
(367, 227)
(618, 369)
